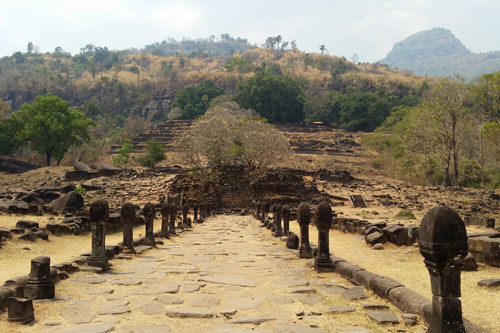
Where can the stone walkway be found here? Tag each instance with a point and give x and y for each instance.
(226, 275)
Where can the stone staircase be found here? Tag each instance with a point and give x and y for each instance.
(165, 133)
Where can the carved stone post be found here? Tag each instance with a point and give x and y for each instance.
(99, 215)
(149, 216)
(128, 218)
(257, 206)
(278, 232)
(254, 208)
(40, 284)
(195, 212)
(272, 224)
(164, 220)
(285, 212)
(173, 214)
(185, 210)
(20, 310)
(265, 213)
(442, 240)
(323, 219)
(304, 218)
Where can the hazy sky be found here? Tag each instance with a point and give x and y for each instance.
(366, 27)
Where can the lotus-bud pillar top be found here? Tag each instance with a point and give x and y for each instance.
(443, 243)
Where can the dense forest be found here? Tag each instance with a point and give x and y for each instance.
(122, 92)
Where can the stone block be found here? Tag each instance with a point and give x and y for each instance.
(382, 285)
(407, 300)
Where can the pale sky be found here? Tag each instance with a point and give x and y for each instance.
(366, 27)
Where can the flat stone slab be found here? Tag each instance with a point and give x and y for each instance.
(383, 317)
(308, 299)
(251, 320)
(92, 269)
(172, 288)
(375, 306)
(86, 328)
(152, 308)
(332, 290)
(204, 301)
(302, 290)
(79, 312)
(191, 287)
(97, 292)
(242, 303)
(355, 293)
(126, 282)
(114, 307)
(340, 309)
(230, 280)
(93, 279)
(145, 328)
(489, 283)
(189, 313)
(280, 299)
(292, 282)
(167, 299)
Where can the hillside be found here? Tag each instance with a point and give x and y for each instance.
(437, 52)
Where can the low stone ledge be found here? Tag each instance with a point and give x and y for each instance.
(407, 300)
(382, 285)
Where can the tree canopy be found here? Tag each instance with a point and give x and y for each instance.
(194, 100)
(52, 127)
(278, 98)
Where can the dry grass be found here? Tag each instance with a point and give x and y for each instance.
(17, 254)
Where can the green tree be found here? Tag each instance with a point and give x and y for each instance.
(194, 100)
(155, 152)
(52, 127)
(278, 98)
(10, 139)
(124, 152)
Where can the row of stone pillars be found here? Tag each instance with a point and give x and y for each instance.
(41, 283)
(442, 242)
(99, 214)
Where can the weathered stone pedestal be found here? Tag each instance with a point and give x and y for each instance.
(323, 219)
(128, 218)
(164, 233)
(20, 310)
(266, 213)
(99, 215)
(443, 243)
(195, 212)
(149, 216)
(285, 213)
(278, 230)
(40, 284)
(185, 210)
(173, 214)
(304, 218)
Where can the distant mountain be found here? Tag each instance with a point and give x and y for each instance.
(437, 52)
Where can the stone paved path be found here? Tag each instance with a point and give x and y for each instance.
(226, 275)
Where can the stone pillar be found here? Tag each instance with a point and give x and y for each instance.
(195, 212)
(99, 215)
(164, 220)
(278, 230)
(442, 240)
(285, 213)
(270, 225)
(128, 218)
(20, 310)
(304, 218)
(173, 214)
(149, 216)
(265, 213)
(323, 219)
(40, 284)
(254, 208)
(185, 210)
(258, 210)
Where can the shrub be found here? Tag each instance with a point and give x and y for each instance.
(406, 214)
(80, 190)
(155, 152)
(123, 156)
